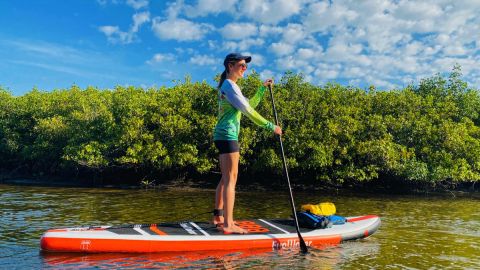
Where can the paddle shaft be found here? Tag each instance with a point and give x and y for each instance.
(303, 246)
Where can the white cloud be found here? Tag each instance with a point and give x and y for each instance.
(267, 30)
(48, 50)
(384, 42)
(293, 33)
(379, 41)
(326, 72)
(264, 11)
(292, 63)
(267, 74)
(270, 11)
(204, 60)
(442, 39)
(139, 19)
(57, 68)
(188, 51)
(354, 72)
(114, 34)
(257, 59)
(137, 4)
(280, 48)
(174, 9)
(105, 2)
(206, 7)
(242, 45)
(454, 49)
(74, 63)
(341, 52)
(179, 29)
(380, 83)
(213, 44)
(109, 30)
(239, 30)
(415, 10)
(323, 16)
(160, 57)
(469, 65)
(306, 53)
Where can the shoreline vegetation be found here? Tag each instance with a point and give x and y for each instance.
(422, 137)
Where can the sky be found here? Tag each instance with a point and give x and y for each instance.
(390, 44)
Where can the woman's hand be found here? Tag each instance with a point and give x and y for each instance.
(278, 130)
(268, 82)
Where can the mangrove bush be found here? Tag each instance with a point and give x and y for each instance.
(425, 133)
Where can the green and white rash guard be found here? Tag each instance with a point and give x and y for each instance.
(231, 105)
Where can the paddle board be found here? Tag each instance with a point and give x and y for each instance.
(201, 236)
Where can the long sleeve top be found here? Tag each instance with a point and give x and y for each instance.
(231, 105)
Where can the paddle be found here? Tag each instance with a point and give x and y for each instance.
(303, 246)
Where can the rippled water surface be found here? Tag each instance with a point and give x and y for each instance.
(417, 232)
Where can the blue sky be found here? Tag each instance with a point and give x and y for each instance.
(53, 44)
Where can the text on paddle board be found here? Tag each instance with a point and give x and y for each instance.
(288, 244)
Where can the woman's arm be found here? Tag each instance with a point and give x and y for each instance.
(255, 100)
(235, 97)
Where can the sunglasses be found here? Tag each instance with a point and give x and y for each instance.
(243, 65)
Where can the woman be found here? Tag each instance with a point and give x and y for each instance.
(232, 104)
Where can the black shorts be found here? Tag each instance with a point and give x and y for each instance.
(226, 146)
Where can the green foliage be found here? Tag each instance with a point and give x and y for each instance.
(427, 133)
(8, 143)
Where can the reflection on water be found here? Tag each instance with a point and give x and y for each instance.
(327, 257)
(416, 232)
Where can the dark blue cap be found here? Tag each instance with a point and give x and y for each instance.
(234, 57)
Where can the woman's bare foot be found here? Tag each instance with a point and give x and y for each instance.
(217, 221)
(234, 230)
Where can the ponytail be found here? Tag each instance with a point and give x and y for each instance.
(223, 77)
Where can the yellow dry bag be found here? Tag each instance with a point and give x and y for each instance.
(321, 209)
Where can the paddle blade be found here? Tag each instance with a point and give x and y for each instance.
(303, 246)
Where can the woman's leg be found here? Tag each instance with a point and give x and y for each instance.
(229, 168)
(218, 219)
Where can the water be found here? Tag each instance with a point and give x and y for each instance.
(417, 232)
